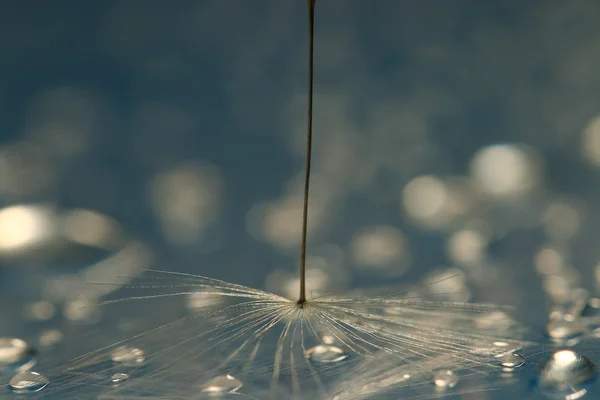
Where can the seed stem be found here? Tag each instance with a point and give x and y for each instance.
(311, 29)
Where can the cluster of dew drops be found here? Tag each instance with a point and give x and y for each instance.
(565, 369)
(18, 356)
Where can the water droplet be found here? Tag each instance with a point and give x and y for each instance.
(326, 354)
(512, 361)
(16, 354)
(223, 384)
(27, 382)
(565, 373)
(565, 331)
(119, 377)
(128, 356)
(445, 379)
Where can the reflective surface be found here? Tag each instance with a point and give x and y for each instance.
(456, 158)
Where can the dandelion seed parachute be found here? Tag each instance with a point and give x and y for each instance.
(263, 340)
(263, 346)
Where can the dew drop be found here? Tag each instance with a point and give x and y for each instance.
(119, 377)
(325, 353)
(128, 356)
(16, 354)
(445, 379)
(27, 382)
(565, 374)
(223, 384)
(512, 361)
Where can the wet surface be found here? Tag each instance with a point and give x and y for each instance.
(456, 158)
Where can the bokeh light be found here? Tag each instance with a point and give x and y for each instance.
(506, 170)
(186, 200)
(380, 249)
(590, 142)
(25, 227)
(467, 246)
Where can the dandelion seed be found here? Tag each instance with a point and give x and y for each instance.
(261, 345)
(259, 337)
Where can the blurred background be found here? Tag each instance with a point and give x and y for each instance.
(450, 136)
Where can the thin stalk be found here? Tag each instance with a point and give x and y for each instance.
(311, 29)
